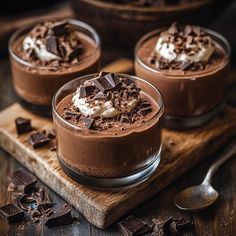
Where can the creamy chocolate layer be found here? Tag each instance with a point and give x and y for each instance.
(189, 88)
(36, 78)
(115, 146)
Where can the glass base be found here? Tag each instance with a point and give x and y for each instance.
(182, 123)
(111, 183)
(45, 111)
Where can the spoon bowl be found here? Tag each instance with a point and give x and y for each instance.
(196, 197)
(201, 196)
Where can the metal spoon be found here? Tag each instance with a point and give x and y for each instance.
(201, 196)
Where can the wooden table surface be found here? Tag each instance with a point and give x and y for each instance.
(218, 220)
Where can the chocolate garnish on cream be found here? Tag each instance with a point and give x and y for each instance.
(51, 42)
(182, 48)
(107, 101)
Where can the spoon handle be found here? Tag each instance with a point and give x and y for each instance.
(229, 152)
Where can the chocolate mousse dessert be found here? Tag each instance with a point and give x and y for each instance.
(108, 129)
(46, 55)
(189, 65)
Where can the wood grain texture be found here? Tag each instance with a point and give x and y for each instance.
(182, 150)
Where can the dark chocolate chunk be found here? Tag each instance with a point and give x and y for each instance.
(75, 52)
(85, 91)
(23, 180)
(38, 139)
(23, 125)
(89, 122)
(59, 28)
(183, 224)
(52, 45)
(11, 213)
(107, 82)
(44, 200)
(99, 96)
(169, 228)
(133, 226)
(186, 65)
(60, 218)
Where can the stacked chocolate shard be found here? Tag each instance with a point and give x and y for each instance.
(34, 203)
(106, 83)
(38, 139)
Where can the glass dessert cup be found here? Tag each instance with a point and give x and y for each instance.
(191, 98)
(36, 85)
(109, 159)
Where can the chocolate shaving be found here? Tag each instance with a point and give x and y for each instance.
(125, 118)
(23, 125)
(89, 122)
(143, 111)
(52, 45)
(38, 139)
(99, 95)
(186, 65)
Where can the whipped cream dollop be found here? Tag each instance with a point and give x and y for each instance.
(187, 44)
(39, 48)
(106, 96)
(105, 109)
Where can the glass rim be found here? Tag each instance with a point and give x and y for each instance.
(54, 105)
(224, 43)
(72, 21)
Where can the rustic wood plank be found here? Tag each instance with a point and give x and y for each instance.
(182, 150)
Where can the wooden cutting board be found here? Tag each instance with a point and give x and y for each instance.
(182, 151)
